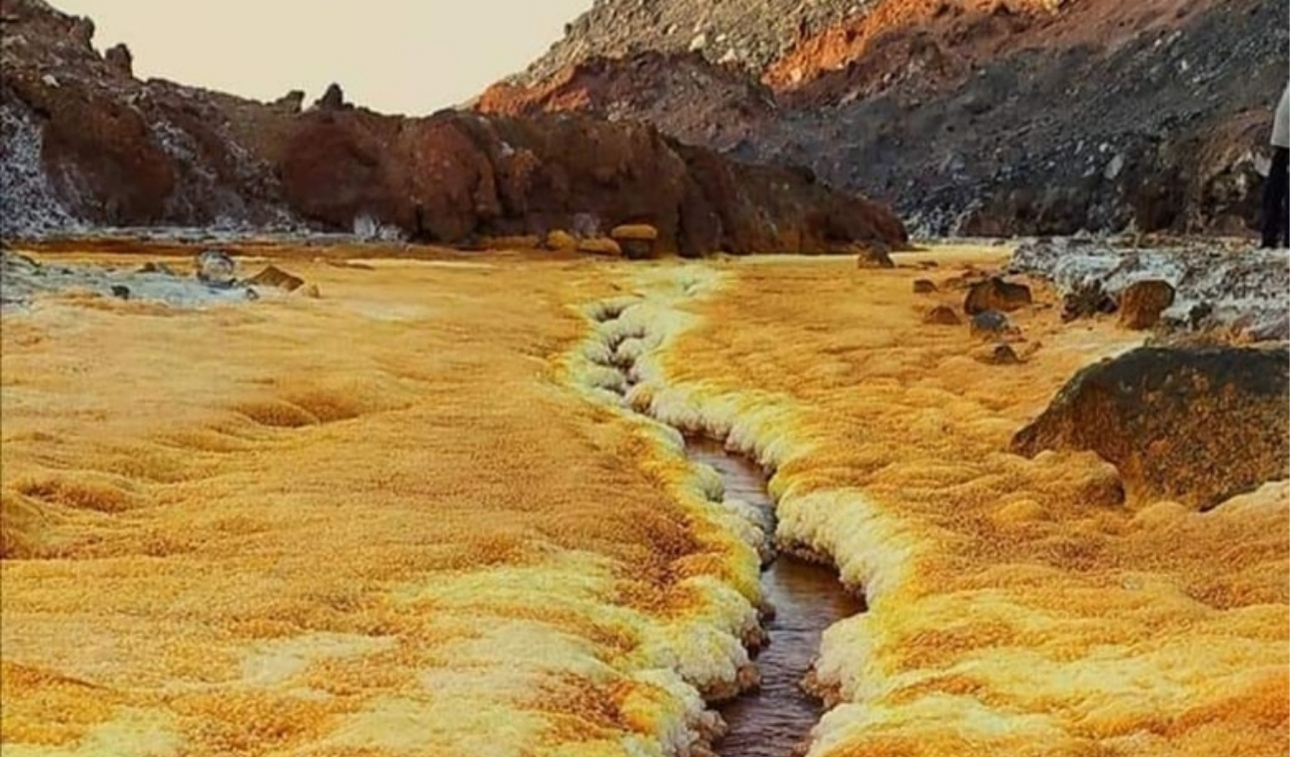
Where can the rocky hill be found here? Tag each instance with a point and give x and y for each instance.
(993, 117)
(85, 144)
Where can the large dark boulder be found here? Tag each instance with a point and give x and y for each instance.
(1194, 425)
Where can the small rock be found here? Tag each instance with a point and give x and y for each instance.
(560, 239)
(600, 246)
(252, 295)
(161, 268)
(1114, 168)
(1142, 302)
(120, 291)
(272, 276)
(216, 268)
(1087, 300)
(999, 354)
(996, 294)
(942, 315)
(1199, 315)
(641, 231)
(990, 323)
(637, 241)
(870, 257)
(924, 286)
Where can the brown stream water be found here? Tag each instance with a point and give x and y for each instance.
(777, 720)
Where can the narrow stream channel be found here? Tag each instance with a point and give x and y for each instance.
(777, 720)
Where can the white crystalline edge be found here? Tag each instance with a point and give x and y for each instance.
(870, 548)
(21, 286)
(705, 650)
(1252, 283)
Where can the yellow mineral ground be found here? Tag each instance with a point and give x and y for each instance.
(407, 518)
(1014, 608)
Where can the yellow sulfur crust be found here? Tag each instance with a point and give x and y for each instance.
(409, 518)
(1010, 613)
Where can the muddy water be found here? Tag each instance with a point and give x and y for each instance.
(777, 720)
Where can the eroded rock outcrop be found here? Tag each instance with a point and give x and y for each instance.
(1194, 425)
(86, 142)
(956, 111)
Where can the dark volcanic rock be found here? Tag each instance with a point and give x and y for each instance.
(990, 323)
(996, 294)
(958, 112)
(1198, 426)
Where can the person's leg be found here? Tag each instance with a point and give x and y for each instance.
(1274, 197)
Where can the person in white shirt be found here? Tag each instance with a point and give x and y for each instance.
(1276, 217)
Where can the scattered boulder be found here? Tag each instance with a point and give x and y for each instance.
(1197, 426)
(272, 276)
(1142, 302)
(120, 59)
(600, 246)
(871, 256)
(996, 294)
(120, 291)
(560, 239)
(990, 323)
(1087, 300)
(637, 241)
(942, 315)
(925, 286)
(216, 268)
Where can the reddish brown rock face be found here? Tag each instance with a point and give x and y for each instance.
(456, 175)
(119, 151)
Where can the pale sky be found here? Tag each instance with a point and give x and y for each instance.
(395, 56)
